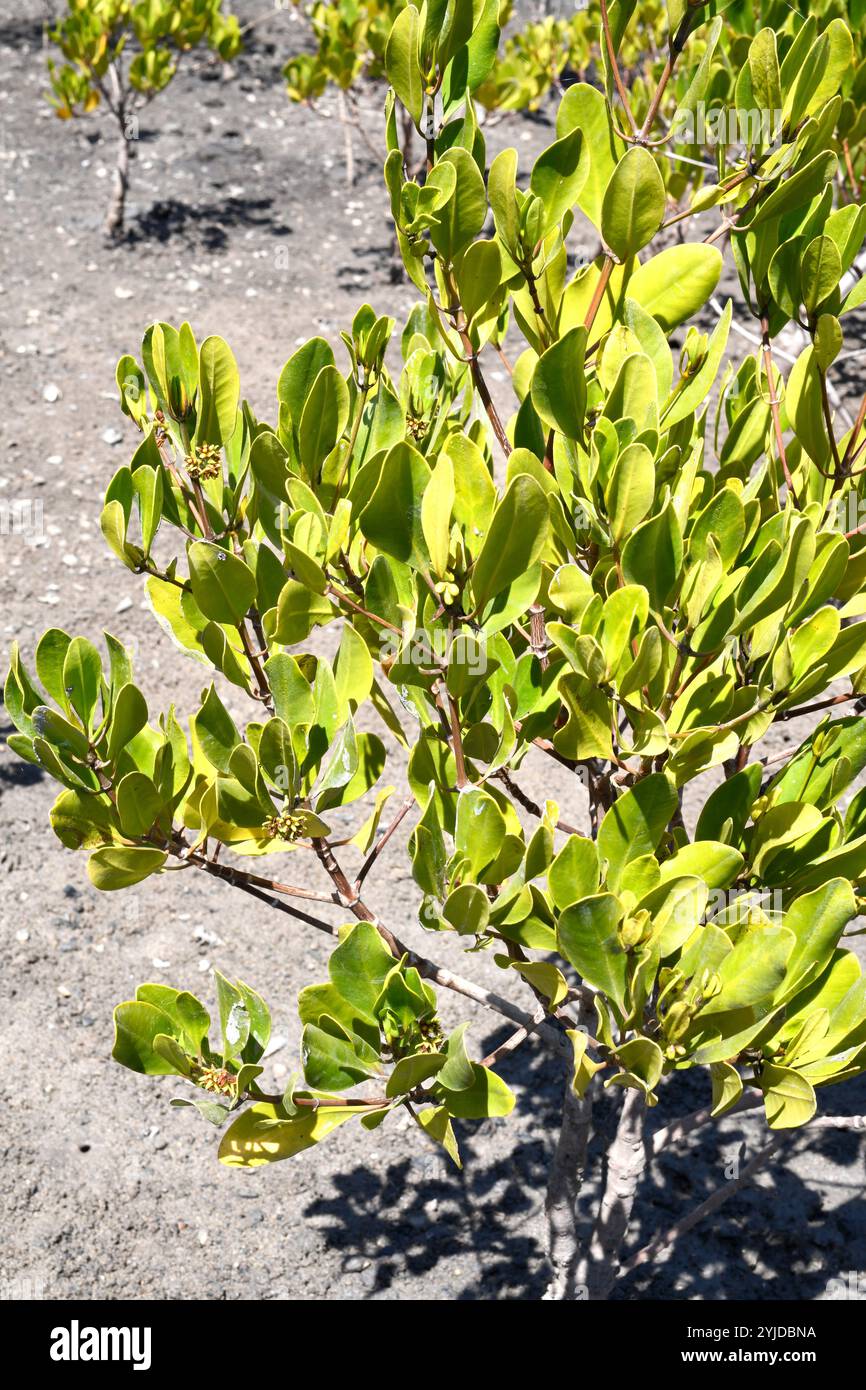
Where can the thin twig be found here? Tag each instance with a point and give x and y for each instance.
(382, 842)
(666, 1239)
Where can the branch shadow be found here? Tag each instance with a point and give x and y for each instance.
(412, 1214)
(207, 224)
(785, 1236)
(782, 1239)
(16, 772)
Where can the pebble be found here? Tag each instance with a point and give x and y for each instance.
(206, 938)
(123, 605)
(51, 393)
(355, 1264)
(111, 436)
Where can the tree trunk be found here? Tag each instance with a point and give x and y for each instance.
(563, 1189)
(347, 136)
(597, 1271)
(113, 226)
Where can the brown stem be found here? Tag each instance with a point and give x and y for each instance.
(850, 167)
(358, 608)
(599, 292)
(677, 45)
(456, 741)
(812, 709)
(529, 805)
(483, 390)
(828, 425)
(774, 405)
(263, 691)
(513, 1041)
(687, 1124)
(237, 880)
(381, 843)
(848, 456)
(611, 53)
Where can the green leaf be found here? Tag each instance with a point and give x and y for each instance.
(817, 921)
(128, 718)
(220, 393)
(136, 1026)
(391, 519)
(515, 540)
(643, 1064)
(409, 1072)
(332, 1063)
(222, 585)
(214, 731)
(587, 936)
(820, 271)
(51, 652)
(464, 214)
(360, 965)
(558, 176)
(323, 419)
(634, 204)
(559, 385)
(764, 71)
(727, 1086)
(467, 909)
(674, 284)
(692, 391)
(402, 62)
(82, 675)
(574, 872)
(796, 190)
(437, 505)
(584, 1067)
(635, 823)
(299, 374)
(118, 866)
(653, 556)
(753, 971)
(584, 108)
(189, 1016)
(265, 1134)
(138, 804)
(630, 490)
(789, 1099)
(299, 610)
(488, 1096)
(436, 1123)
(480, 830)
(458, 1073)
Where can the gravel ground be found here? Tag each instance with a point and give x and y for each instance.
(241, 221)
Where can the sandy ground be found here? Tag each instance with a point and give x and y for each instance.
(240, 220)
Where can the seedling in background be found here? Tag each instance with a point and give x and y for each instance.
(123, 53)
